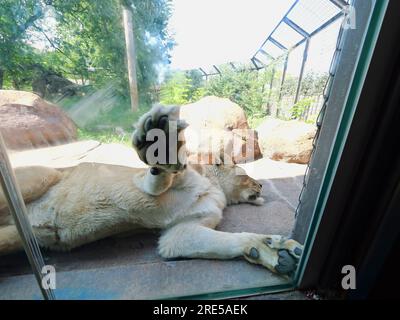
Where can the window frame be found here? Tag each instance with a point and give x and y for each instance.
(334, 221)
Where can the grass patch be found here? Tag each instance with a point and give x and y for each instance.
(255, 120)
(109, 125)
(105, 137)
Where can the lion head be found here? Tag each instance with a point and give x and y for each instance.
(236, 184)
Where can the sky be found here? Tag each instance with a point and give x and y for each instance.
(218, 31)
(211, 32)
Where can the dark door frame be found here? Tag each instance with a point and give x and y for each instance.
(361, 216)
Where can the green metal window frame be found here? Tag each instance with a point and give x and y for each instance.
(369, 43)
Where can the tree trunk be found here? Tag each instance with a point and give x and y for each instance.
(1, 78)
(15, 83)
(131, 56)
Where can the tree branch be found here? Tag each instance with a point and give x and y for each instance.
(28, 23)
(52, 44)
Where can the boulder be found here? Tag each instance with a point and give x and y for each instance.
(214, 112)
(289, 141)
(28, 121)
(218, 129)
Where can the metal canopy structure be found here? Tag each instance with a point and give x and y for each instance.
(303, 20)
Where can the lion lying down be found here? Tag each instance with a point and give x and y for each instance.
(73, 206)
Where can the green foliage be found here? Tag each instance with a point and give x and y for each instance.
(86, 44)
(313, 84)
(118, 116)
(301, 107)
(90, 41)
(113, 113)
(248, 89)
(175, 91)
(198, 94)
(104, 136)
(256, 92)
(255, 120)
(311, 88)
(290, 85)
(181, 88)
(16, 18)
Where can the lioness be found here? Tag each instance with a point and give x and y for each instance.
(73, 206)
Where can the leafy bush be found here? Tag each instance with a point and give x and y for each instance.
(248, 89)
(175, 91)
(181, 88)
(301, 107)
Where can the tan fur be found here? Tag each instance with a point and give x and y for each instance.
(92, 200)
(33, 182)
(9, 239)
(68, 208)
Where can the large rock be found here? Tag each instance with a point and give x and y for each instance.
(28, 121)
(214, 112)
(289, 141)
(218, 129)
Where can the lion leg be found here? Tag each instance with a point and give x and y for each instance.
(160, 144)
(156, 181)
(33, 182)
(158, 138)
(9, 240)
(193, 240)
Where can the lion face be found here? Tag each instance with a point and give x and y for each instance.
(237, 185)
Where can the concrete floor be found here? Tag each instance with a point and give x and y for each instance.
(129, 267)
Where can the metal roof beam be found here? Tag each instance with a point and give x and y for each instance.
(341, 4)
(260, 62)
(203, 72)
(265, 53)
(277, 43)
(219, 71)
(295, 2)
(296, 27)
(324, 26)
(255, 64)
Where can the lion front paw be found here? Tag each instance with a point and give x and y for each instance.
(157, 138)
